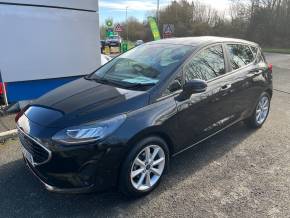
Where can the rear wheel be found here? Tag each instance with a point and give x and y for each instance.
(144, 167)
(261, 112)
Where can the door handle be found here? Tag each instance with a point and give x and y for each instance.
(256, 72)
(226, 87)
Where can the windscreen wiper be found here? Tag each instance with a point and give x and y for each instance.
(140, 85)
(102, 80)
(121, 84)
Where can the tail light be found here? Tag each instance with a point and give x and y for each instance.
(270, 67)
(2, 88)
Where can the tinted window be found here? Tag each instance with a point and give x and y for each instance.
(260, 58)
(145, 64)
(207, 65)
(172, 87)
(254, 50)
(240, 55)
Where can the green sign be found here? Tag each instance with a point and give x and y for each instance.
(109, 23)
(154, 28)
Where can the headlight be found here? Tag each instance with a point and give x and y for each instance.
(89, 132)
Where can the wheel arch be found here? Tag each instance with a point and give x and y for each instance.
(270, 92)
(152, 132)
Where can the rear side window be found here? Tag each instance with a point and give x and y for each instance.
(240, 55)
(258, 54)
(260, 58)
(206, 65)
(254, 50)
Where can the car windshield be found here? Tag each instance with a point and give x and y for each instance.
(143, 66)
(114, 37)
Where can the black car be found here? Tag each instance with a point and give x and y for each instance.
(103, 45)
(121, 125)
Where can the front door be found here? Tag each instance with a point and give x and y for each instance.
(205, 113)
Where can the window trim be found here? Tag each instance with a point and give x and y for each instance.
(169, 95)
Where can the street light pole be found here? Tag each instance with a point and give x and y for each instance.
(157, 13)
(127, 22)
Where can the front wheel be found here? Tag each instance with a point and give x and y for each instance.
(144, 167)
(261, 112)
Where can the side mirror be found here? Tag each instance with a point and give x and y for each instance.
(192, 87)
(195, 86)
(175, 85)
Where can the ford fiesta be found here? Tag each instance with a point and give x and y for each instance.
(121, 125)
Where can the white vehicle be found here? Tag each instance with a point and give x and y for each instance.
(114, 40)
(139, 42)
(105, 59)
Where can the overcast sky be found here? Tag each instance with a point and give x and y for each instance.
(138, 9)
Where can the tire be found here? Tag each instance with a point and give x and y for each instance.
(130, 185)
(253, 121)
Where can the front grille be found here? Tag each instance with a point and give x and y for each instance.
(39, 154)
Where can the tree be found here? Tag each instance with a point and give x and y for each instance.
(262, 21)
(136, 29)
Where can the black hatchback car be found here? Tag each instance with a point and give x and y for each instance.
(120, 125)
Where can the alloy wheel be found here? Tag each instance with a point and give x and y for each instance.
(147, 167)
(262, 110)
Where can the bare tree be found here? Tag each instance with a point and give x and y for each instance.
(264, 21)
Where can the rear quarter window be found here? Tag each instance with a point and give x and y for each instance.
(260, 57)
(240, 55)
(254, 50)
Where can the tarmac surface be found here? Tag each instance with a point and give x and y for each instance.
(238, 173)
(7, 123)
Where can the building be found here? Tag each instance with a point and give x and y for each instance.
(46, 43)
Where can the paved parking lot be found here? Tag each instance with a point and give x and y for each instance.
(239, 173)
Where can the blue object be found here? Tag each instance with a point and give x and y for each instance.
(27, 90)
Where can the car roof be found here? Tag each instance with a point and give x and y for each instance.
(201, 41)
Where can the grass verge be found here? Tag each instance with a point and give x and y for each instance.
(277, 50)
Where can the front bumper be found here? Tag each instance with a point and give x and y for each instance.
(55, 189)
(70, 169)
(79, 169)
(88, 176)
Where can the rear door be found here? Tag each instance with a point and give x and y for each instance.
(260, 76)
(244, 72)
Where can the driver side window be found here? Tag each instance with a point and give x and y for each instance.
(206, 65)
(173, 86)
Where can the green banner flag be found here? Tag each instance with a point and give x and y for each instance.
(154, 28)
